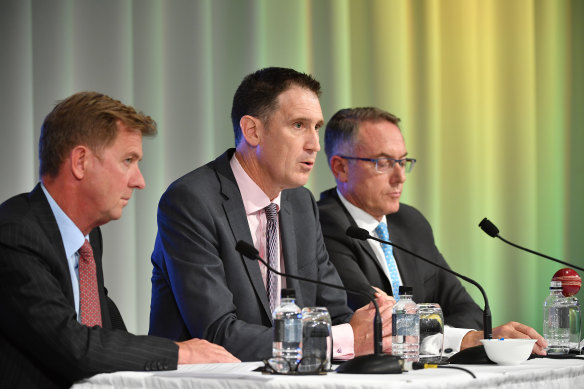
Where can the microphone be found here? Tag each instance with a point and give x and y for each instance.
(471, 355)
(376, 363)
(492, 230)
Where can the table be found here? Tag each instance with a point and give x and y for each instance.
(536, 373)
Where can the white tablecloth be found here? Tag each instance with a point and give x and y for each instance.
(536, 373)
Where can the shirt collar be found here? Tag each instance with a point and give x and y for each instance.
(72, 236)
(254, 198)
(362, 218)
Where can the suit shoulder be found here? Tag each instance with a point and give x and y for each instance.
(409, 217)
(15, 209)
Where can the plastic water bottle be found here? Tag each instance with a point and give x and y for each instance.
(406, 326)
(287, 329)
(575, 324)
(556, 320)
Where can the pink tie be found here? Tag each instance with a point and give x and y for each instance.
(88, 293)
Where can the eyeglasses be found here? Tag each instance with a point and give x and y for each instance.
(383, 165)
(308, 365)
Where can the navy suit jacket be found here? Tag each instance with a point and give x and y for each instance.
(358, 266)
(202, 287)
(41, 342)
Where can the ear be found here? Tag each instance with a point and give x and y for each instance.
(79, 161)
(251, 129)
(340, 168)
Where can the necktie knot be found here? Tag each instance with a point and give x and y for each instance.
(271, 212)
(381, 231)
(86, 252)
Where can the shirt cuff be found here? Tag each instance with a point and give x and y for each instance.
(453, 338)
(343, 342)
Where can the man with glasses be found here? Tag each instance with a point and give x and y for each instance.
(368, 157)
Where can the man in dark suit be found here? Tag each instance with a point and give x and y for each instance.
(201, 286)
(57, 324)
(368, 157)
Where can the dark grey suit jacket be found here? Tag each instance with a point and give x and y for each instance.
(41, 343)
(202, 287)
(357, 265)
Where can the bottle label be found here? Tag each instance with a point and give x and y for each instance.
(279, 330)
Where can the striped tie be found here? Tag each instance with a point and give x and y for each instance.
(272, 253)
(382, 233)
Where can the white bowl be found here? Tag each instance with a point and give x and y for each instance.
(508, 351)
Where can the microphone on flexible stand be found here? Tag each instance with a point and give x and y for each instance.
(376, 363)
(471, 355)
(488, 227)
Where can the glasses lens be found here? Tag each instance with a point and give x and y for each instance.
(310, 364)
(279, 365)
(409, 165)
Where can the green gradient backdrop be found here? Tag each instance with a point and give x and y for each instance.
(490, 92)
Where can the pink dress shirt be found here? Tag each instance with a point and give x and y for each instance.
(254, 202)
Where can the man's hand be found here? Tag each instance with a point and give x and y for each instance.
(362, 324)
(201, 351)
(509, 330)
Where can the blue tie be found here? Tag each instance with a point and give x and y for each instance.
(382, 233)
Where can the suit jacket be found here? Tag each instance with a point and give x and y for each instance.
(41, 342)
(358, 266)
(202, 287)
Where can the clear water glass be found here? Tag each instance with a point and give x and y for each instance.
(317, 340)
(431, 332)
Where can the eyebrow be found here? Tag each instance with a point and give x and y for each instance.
(383, 155)
(305, 119)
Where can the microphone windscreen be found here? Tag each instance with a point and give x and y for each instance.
(246, 249)
(357, 233)
(489, 227)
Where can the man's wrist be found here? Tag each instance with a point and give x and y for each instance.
(471, 339)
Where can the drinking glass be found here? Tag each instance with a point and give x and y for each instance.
(317, 341)
(431, 332)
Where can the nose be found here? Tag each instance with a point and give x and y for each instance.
(397, 174)
(313, 142)
(137, 180)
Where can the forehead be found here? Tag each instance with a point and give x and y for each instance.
(127, 139)
(380, 137)
(297, 101)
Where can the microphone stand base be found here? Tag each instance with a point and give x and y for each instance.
(372, 364)
(475, 355)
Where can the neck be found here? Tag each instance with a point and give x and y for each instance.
(355, 201)
(248, 161)
(65, 195)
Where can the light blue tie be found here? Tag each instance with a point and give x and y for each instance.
(382, 233)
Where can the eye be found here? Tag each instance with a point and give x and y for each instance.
(383, 163)
(298, 125)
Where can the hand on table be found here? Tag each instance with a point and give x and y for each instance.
(201, 351)
(510, 330)
(362, 324)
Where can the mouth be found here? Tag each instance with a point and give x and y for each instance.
(307, 164)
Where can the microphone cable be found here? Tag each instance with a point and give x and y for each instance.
(422, 365)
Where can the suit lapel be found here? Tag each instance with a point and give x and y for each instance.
(363, 244)
(235, 213)
(289, 250)
(48, 223)
(407, 265)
